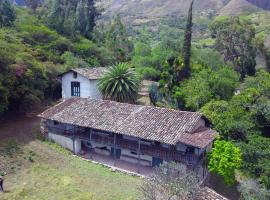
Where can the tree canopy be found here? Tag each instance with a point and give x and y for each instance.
(234, 40)
(7, 13)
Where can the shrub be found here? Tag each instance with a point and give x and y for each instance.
(149, 73)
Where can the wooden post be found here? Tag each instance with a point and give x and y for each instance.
(90, 140)
(1, 184)
(114, 147)
(139, 155)
(73, 140)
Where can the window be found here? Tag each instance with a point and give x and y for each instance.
(55, 123)
(75, 75)
(75, 89)
(190, 150)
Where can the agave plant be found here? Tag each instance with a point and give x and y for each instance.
(120, 83)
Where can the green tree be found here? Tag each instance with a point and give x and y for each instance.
(118, 41)
(7, 13)
(224, 159)
(232, 121)
(256, 154)
(187, 45)
(206, 85)
(234, 40)
(69, 17)
(121, 83)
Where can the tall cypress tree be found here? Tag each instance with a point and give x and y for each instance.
(187, 44)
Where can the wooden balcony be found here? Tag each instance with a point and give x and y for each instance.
(151, 150)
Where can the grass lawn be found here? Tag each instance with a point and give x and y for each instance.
(39, 170)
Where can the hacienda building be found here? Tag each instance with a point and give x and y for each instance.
(133, 133)
(142, 136)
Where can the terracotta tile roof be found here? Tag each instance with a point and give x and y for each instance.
(90, 73)
(199, 138)
(151, 123)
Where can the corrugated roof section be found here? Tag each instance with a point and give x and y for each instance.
(158, 124)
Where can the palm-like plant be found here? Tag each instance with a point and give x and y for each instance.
(120, 83)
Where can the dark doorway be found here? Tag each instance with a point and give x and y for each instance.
(156, 162)
(117, 153)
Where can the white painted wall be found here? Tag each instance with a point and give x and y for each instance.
(88, 88)
(124, 152)
(66, 142)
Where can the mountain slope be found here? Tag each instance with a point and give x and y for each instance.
(264, 4)
(136, 12)
(236, 7)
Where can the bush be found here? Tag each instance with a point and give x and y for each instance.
(149, 73)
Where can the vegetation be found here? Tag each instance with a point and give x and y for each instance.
(67, 17)
(234, 39)
(256, 158)
(121, 83)
(7, 14)
(233, 93)
(251, 190)
(32, 55)
(171, 181)
(224, 159)
(187, 44)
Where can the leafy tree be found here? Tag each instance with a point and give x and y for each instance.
(207, 57)
(187, 45)
(121, 83)
(206, 85)
(7, 13)
(234, 40)
(256, 155)
(171, 181)
(68, 17)
(194, 92)
(245, 113)
(224, 159)
(232, 121)
(85, 17)
(118, 41)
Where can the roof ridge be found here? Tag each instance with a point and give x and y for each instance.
(153, 107)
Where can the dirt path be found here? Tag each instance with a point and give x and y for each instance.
(18, 126)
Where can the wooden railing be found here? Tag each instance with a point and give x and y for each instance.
(151, 150)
